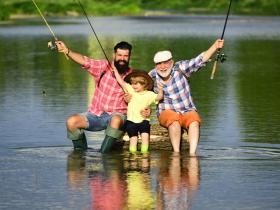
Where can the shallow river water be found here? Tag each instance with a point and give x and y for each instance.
(238, 165)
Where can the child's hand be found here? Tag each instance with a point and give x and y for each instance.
(113, 68)
(146, 113)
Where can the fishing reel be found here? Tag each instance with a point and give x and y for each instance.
(221, 57)
(52, 45)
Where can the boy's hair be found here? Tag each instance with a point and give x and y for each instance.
(141, 80)
(124, 46)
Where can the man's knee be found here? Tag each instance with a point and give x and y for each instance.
(116, 121)
(175, 125)
(75, 121)
(194, 124)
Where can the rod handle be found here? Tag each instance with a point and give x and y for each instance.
(214, 69)
(66, 56)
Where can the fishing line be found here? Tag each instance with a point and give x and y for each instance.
(51, 45)
(219, 56)
(44, 20)
(84, 11)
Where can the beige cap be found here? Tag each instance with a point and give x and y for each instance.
(161, 56)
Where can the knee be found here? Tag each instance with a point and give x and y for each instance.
(72, 122)
(116, 121)
(174, 128)
(175, 125)
(194, 124)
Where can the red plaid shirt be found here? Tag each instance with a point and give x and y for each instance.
(108, 97)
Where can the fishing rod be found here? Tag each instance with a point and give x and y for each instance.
(84, 11)
(51, 44)
(220, 56)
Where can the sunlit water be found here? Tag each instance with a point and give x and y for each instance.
(238, 166)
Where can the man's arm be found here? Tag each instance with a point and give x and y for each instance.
(76, 57)
(218, 44)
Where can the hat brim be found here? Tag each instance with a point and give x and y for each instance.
(140, 73)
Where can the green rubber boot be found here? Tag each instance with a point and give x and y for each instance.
(78, 139)
(80, 144)
(144, 148)
(107, 144)
(112, 135)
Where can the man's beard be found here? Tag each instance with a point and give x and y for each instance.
(165, 74)
(122, 68)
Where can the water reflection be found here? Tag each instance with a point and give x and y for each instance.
(178, 180)
(108, 189)
(138, 178)
(76, 170)
(125, 182)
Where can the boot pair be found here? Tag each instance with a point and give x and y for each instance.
(80, 143)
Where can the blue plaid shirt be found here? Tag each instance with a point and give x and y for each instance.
(177, 92)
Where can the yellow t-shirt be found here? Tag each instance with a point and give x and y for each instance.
(138, 102)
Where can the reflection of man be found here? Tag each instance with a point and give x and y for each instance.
(177, 182)
(108, 108)
(177, 109)
(108, 193)
(107, 185)
(77, 174)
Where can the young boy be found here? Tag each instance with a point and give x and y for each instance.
(138, 84)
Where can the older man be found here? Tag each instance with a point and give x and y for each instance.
(177, 109)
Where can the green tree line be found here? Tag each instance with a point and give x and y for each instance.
(139, 7)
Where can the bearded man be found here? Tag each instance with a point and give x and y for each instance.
(108, 107)
(177, 110)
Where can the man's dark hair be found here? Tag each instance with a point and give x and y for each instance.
(124, 46)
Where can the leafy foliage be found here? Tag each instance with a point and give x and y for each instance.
(139, 7)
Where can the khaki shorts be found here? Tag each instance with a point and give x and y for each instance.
(167, 117)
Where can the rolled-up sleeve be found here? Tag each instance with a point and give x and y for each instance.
(192, 65)
(95, 67)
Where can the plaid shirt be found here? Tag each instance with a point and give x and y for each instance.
(108, 97)
(177, 92)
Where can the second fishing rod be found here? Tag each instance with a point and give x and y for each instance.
(221, 56)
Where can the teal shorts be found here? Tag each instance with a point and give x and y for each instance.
(98, 123)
